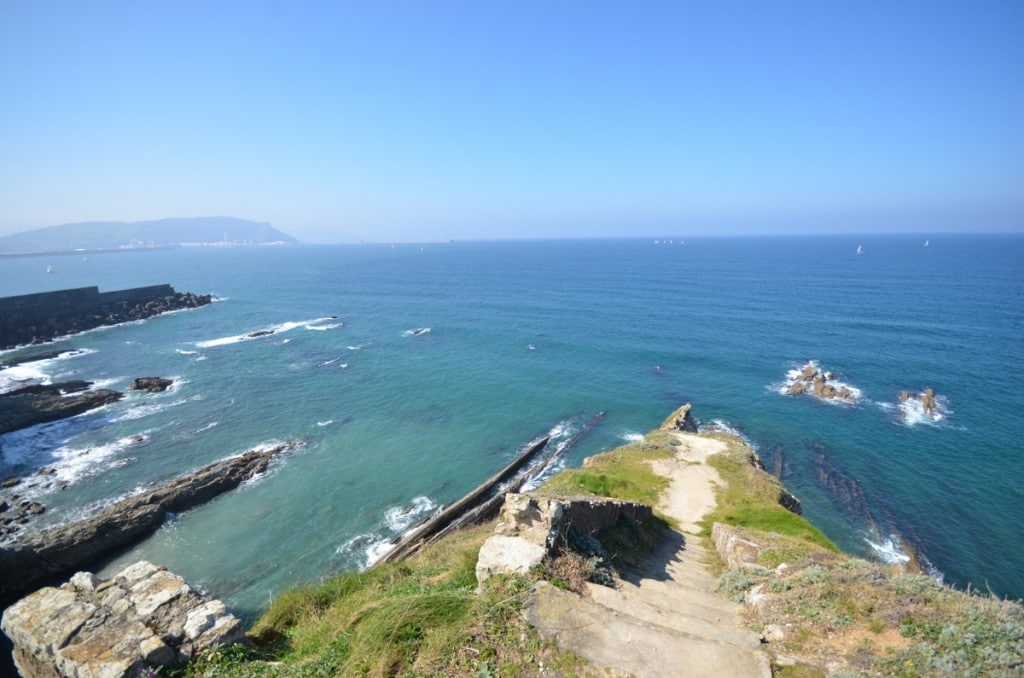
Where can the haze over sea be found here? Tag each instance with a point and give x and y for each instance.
(532, 337)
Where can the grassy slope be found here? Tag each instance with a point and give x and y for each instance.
(832, 612)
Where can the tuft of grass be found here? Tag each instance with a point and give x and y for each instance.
(623, 473)
(420, 617)
(750, 498)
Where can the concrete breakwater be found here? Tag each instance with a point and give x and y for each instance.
(44, 316)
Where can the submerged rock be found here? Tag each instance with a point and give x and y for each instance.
(142, 618)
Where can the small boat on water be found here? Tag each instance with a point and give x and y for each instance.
(860, 249)
(925, 244)
(49, 269)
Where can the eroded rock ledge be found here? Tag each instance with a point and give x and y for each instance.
(72, 546)
(144, 617)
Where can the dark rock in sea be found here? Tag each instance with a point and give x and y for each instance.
(10, 482)
(31, 358)
(4, 505)
(34, 405)
(72, 546)
(261, 333)
(152, 384)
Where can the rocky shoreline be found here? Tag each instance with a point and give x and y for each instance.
(65, 548)
(39, 318)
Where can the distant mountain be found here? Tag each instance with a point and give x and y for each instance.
(108, 235)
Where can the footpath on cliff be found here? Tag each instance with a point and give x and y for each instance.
(664, 618)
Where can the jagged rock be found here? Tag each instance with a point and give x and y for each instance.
(734, 549)
(681, 420)
(34, 405)
(10, 482)
(531, 526)
(142, 618)
(821, 385)
(65, 548)
(152, 384)
(789, 501)
(926, 398)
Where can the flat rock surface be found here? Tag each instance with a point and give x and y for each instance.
(142, 618)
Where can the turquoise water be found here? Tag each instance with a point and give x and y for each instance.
(533, 337)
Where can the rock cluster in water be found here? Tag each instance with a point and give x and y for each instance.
(822, 385)
(927, 400)
(129, 625)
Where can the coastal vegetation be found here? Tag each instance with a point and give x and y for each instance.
(820, 612)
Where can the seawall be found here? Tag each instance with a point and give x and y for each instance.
(43, 316)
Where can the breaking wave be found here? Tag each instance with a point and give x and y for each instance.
(370, 547)
(313, 324)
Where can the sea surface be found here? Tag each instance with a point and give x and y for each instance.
(413, 372)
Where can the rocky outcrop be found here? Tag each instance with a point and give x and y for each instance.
(681, 420)
(531, 527)
(925, 398)
(40, 404)
(141, 619)
(73, 546)
(152, 384)
(810, 380)
(37, 318)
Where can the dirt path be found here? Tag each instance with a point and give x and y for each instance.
(666, 618)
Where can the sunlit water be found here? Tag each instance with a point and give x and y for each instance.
(527, 338)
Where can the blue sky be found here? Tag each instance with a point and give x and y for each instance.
(420, 120)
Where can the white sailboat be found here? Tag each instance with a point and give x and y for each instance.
(860, 250)
(49, 269)
(925, 244)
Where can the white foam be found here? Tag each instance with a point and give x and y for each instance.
(75, 463)
(378, 550)
(183, 352)
(265, 332)
(889, 551)
(325, 423)
(140, 411)
(35, 372)
(398, 518)
(632, 437)
(322, 328)
(793, 376)
(416, 331)
(912, 412)
(21, 376)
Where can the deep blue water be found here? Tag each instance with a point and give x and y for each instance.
(398, 425)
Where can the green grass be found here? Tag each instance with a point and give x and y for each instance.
(623, 473)
(420, 617)
(750, 499)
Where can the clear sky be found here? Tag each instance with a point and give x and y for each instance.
(430, 119)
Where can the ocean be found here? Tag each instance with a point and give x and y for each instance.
(413, 372)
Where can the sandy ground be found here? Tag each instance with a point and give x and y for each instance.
(691, 494)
